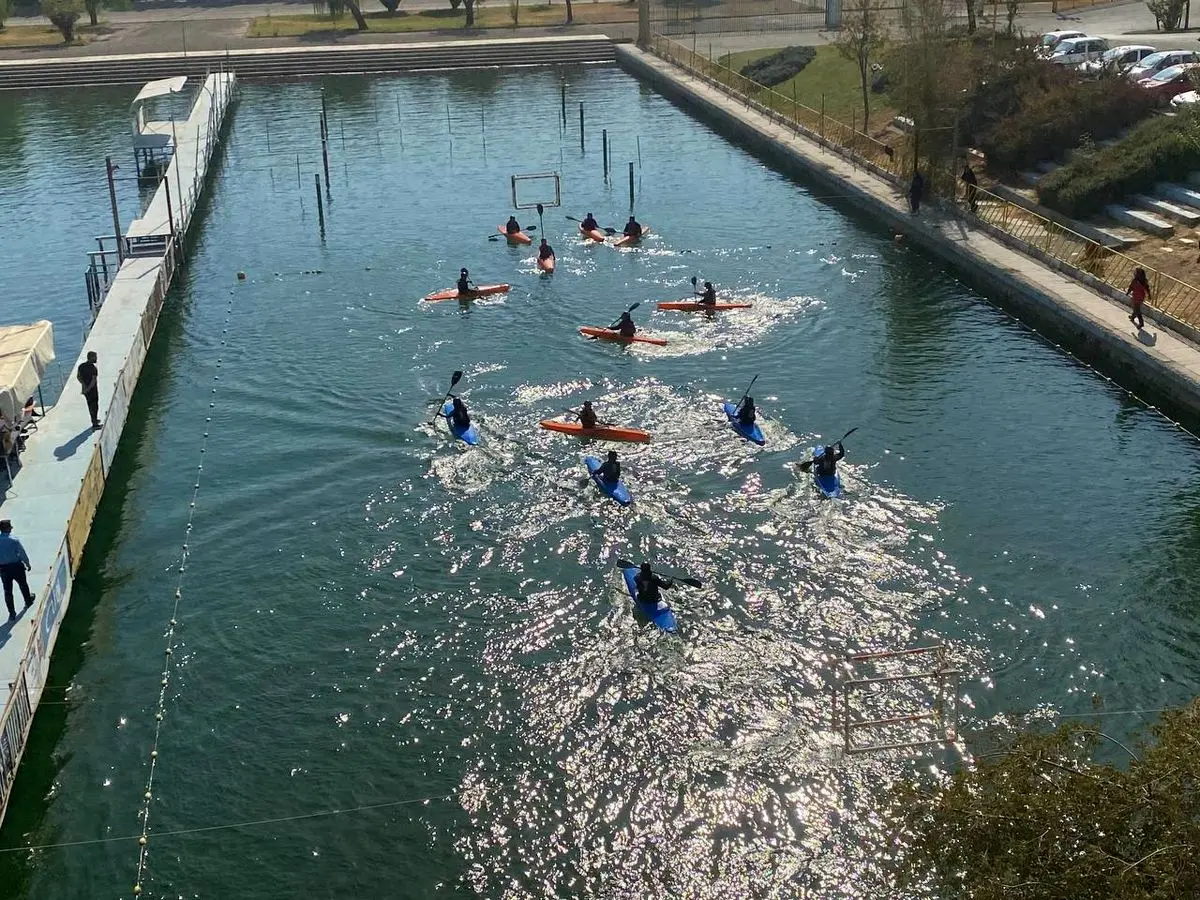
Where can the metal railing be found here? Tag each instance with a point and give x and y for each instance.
(1081, 257)
(14, 727)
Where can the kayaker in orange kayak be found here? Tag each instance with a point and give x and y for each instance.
(545, 251)
(632, 228)
(624, 326)
(610, 469)
(590, 224)
(587, 415)
(512, 226)
(464, 282)
(709, 295)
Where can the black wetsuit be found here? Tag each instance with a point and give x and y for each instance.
(626, 327)
(746, 413)
(633, 229)
(709, 296)
(512, 226)
(587, 418)
(464, 285)
(590, 224)
(649, 587)
(545, 251)
(826, 465)
(610, 471)
(459, 416)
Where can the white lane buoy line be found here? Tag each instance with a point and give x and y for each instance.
(173, 623)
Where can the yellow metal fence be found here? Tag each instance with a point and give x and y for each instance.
(1081, 255)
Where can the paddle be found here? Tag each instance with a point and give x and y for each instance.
(498, 235)
(747, 394)
(454, 379)
(692, 582)
(808, 463)
(618, 322)
(540, 211)
(609, 231)
(695, 292)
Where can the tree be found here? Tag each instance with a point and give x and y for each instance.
(1044, 819)
(337, 9)
(570, 13)
(1012, 9)
(863, 35)
(93, 11)
(470, 5)
(3, 12)
(391, 6)
(63, 14)
(1167, 13)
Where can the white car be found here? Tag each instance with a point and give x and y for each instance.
(1073, 51)
(1118, 59)
(1187, 98)
(1156, 62)
(1048, 41)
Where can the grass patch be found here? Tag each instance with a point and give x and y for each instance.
(496, 16)
(829, 75)
(16, 37)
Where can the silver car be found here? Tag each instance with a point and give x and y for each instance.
(1048, 41)
(1118, 59)
(1073, 51)
(1156, 62)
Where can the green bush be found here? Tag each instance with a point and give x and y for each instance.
(779, 67)
(1037, 111)
(1162, 149)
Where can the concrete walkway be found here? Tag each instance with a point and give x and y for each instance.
(1157, 359)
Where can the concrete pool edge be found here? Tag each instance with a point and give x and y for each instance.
(1090, 323)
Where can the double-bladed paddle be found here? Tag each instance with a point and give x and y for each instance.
(807, 464)
(618, 322)
(609, 231)
(454, 379)
(691, 582)
(498, 235)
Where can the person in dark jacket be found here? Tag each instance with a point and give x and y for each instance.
(709, 295)
(610, 469)
(746, 413)
(825, 465)
(915, 190)
(972, 188)
(512, 226)
(587, 415)
(459, 415)
(624, 326)
(649, 586)
(464, 282)
(633, 228)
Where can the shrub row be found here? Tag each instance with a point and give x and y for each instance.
(1038, 112)
(779, 67)
(1161, 149)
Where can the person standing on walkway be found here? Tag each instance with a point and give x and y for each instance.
(972, 183)
(14, 563)
(915, 189)
(1139, 293)
(89, 377)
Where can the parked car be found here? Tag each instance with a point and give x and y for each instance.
(1164, 59)
(1171, 81)
(1048, 41)
(1073, 51)
(1187, 98)
(1118, 59)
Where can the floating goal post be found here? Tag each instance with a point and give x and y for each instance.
(896, 699)
(540, 187)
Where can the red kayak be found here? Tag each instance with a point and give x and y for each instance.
(607, 334)
(697, 306)
(595, 234)
(628, 240)
(517, 237)
(546, 264)
(600, 432)
(452, 293)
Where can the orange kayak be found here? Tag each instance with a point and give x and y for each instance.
(607, 334)
(600, 432)
(519, 237)
(595, 234)
(628, 241)
(546, 265)
(452, 293)
(697, 306)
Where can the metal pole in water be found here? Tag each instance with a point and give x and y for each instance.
(639, 143)
(483, 131)
(564, 105)
(320, 206)
(324, 116)
(580, 127)
(268, 136)
(631, 187)
(604, 152)
(112, 198)
(297, 171)
(342, 128)
(325, 161)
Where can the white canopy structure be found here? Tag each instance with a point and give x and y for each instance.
(24, 352)
(148, 134)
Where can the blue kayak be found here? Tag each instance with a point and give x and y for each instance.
(617, 491)
(468, 435)
(749, 432)
(663, 618)
(829, 485)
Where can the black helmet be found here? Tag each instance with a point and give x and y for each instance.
(612, 454)
(464, 272)
(646, 570)
(829, 449)
(708, 284)
(587, 404)
(749, 400)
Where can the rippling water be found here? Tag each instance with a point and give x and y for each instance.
(373, 614)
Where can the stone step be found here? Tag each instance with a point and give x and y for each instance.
(1141, 220)
(1166, 209)
(1047, 166)
(1178, 194)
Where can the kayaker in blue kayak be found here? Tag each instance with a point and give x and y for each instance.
(459, 416)
(825, 465)
(746, 413)
(512, 226)
(610, 469)
(709, 295)
(590, 224)
(633, 228)
(587, 415)
(649, 586)
(624, 325)
(464, 282)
